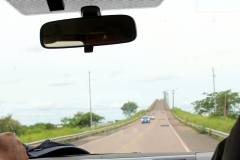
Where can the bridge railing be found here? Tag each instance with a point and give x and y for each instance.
(209, 130)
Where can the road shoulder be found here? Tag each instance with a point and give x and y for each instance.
(195, 141)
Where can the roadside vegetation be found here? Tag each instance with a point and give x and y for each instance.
(219, 123)
(217, 111)
(223, 103)
(78, 123)
(67, 130)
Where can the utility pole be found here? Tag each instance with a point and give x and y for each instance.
(90, 102)
(225, 105)
(215, 105)
(172, 98)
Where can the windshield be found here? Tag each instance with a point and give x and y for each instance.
(183, 66)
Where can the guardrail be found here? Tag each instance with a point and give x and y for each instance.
(213, 132)
(87, 133)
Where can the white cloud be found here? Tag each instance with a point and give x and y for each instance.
(11, 81)
(185, 103)
(62, 84)
(157, 79)
(45, 105)
(117, 105)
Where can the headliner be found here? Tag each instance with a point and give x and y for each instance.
(30, 7)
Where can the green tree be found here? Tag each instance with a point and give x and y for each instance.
(7, 124)
(81, 119)
(205, 105)
(23, 130)
(129, 108)
(85, 120)
(50, 126)
(72, 121)
(228, 98)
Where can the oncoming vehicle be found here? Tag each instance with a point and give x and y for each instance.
(145, 119)
(138, 57)
(151, 116)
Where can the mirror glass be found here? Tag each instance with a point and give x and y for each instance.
(89, 31)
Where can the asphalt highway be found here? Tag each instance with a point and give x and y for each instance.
(156, 136)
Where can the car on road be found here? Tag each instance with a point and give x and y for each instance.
(151, 116)
(145, 119)
(178, 45)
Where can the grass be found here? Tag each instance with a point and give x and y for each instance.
(139, 113)
(47, 134)
(217, 123)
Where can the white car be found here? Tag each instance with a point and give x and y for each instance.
(151, 116)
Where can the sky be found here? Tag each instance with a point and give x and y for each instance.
(177, 45)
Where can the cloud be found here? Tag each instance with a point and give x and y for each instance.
(35, 49)
(230, 51)
(117, 73)
(11, 81)
(64, 75)
(1, 102)
(62, 84)
(117, 105)
(45, 104)
(157, 79)
(185, 103)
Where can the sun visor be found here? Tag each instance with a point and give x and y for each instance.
(30, 7)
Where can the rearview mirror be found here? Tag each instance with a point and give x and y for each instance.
(88, 31)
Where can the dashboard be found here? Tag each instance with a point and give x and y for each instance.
(140, 156)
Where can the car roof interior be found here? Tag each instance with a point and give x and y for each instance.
(43, 6)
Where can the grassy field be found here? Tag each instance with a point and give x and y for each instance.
(217, 123)
(46, 134)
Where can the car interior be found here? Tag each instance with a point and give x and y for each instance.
(92, 29)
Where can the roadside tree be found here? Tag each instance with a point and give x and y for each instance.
(129, 108)
(226, 101)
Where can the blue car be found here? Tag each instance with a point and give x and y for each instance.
(145, 119)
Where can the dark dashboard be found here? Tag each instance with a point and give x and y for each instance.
(141, 156)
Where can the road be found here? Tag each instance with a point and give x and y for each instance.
(157, 136)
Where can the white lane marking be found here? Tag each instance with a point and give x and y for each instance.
(186, 148)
